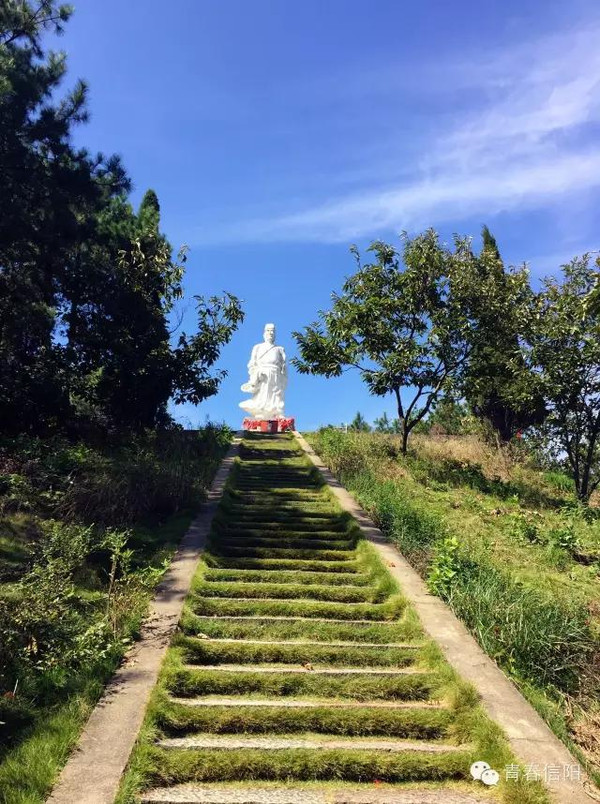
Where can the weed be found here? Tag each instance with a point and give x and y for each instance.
(444, 566)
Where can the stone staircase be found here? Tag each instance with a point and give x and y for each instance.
(300, 675)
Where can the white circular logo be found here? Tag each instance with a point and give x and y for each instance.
(490, 777)
(477, 768)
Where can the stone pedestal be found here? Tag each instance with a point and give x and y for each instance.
(282, 425)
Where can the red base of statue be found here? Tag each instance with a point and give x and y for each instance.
(269, 425)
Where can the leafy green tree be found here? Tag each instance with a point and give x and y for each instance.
(500, 384)
(360, 424)
(49, 189)
(87, 285)
(567, 352)
(383, 424)
(592, 301)
(404, 327)
(115, 322)
(448, 415)
(118, 332)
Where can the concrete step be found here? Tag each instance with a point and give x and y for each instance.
(247, 590)
(207, 606)
(274, 527)
(304, 565)
(304, 495)
(254, 539)
(301, 642)
(192, 794)
(322, 510)
(295, 553)
(268, 576)
(441, 796)
(320, 671)
(291, 522)
(300, 703)
(195, 794)
(276, 618)
(199, 651)
(315, 743)
(301, 601)
(269, 485)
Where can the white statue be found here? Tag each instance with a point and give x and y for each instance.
(268, 378)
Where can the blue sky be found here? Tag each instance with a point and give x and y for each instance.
(277, 133)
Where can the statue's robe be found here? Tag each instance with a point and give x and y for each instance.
(268, 379)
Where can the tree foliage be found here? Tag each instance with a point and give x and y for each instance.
(500, 384)
(360, 424)
(87, 285)
(401, 322)
(383, 424)
(567, 352)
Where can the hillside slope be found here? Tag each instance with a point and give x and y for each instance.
(506, 544)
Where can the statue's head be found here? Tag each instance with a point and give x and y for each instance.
(269, 333)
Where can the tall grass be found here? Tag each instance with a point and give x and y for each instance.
(95, 531)
(155, 474)
(535, 636)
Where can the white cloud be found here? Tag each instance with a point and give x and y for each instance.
(446, 197)
(523, 143)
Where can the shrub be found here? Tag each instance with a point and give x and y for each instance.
(154, 475)
(80, 592)
(526, 527)
(444, 566)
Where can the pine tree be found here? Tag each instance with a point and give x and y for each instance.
(47, 190)
(86, 284)
(499, 385)
(360, 424)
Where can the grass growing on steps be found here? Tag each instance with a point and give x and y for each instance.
(262, 628)
(398, 630)
(306, 554)
(169, 766)
(299, 608)
(176, 719)
(306, 565)
(283, 576)
(199, 651)
(191, 682)
(341, 594)
(297, 541)
(294, 527)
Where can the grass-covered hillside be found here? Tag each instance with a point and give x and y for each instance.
(510, 549)
(85, 534)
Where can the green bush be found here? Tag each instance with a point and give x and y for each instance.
(559, 480)
(79, 595)
(444, 566)
(526, 528)
(44, 623)
(154, 475)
